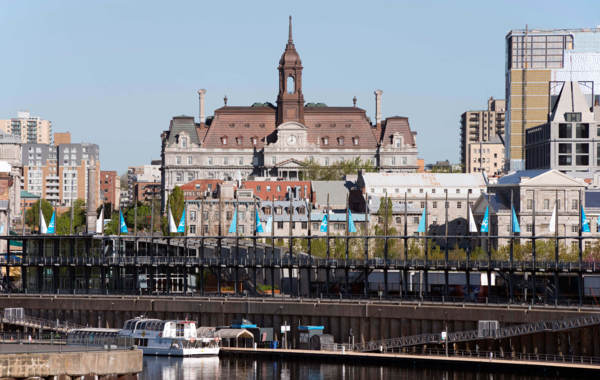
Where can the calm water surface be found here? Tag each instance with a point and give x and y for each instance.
(161, 368)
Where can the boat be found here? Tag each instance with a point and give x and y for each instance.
(168, 338)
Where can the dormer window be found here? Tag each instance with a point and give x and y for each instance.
(184, 142)
(231, 125)
(332, 125)
(238, 140)
(348, 125)
(325, 140)
(254, 140)
(355, 140)
(224, 140)
(262, 125)
(318, 125)
(340, 140)
(247, 125)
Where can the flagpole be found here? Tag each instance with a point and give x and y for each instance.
(405, 244)
(255, 233)
(426, 272)
(309, 244)
(385, 247)
(291, 242)
(580, 246)
(556, 249)
(533, 249)
(347, 242)
(273, 247)
(328, 250)
(468, 252)
(71, 227)
(512, 234)
(237, 242)
(489, 245)
(366, 285)
(446, 290)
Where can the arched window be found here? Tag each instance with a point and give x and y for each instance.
(291, 87)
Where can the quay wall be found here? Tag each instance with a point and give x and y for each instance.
(71, 364)
(366, 320)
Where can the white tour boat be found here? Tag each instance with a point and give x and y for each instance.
(168, 338)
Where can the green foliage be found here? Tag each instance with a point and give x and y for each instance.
(112, 227)
(63, 223)
(32, 216)
(143, 217)
(336, 171)
(176, 203)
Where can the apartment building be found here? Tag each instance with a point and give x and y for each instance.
(482, 126)
(59, 173)
(29, 129)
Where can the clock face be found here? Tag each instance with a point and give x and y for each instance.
(291, 140)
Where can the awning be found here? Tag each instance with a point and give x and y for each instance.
(234, 333)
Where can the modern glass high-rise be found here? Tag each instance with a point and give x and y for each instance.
(538, 63)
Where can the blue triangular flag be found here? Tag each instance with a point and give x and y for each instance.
(585, 226)
(233, 226)
(485, 223)
(123, 226)
(259, 227)
(52, 224)
(422, 227)
(181, 226)
(515, 222)
(351, 226)
(323, 227)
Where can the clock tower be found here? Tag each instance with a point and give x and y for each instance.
(290, 101)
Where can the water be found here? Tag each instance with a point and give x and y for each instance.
(163, 368)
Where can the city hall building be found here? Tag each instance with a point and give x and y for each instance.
(276, 140)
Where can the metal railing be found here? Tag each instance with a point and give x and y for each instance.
(38, 323)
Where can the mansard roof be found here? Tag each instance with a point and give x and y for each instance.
(183, 124)
(397, 125)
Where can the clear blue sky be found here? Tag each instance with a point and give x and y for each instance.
(115, 72)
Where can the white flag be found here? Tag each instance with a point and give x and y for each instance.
(472, 224)
(100, 222)
(172, 226)
(552, 225)
(43, 227)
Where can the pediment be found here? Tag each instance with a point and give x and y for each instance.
(291, 126)
(552, 178)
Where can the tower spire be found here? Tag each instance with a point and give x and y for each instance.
(290, 41)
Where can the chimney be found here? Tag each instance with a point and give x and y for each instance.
(92, 195)
(201, 94)
(378, 108)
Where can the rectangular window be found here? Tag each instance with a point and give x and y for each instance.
(280, 225)
(190, 160)
(573, 116)
(458, 204)
(304, 225)
(564, 131)
(582, 130)
(574, 204)
(192, 215)
(564, 148)
(529, 204)
(434, 204)
(422, 204)
(192, 228)
(564, 160)
(229, 215)
(416, 220)
(315, 226)
(529, 228)
(575, 228)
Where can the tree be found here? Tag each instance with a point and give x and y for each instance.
(316, 172)
(32, 216)
(143, 216)
(384, 217)
(63, 222)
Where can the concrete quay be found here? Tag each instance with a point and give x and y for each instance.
(545, 368)
(105, 365)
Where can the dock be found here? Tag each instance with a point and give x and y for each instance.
(546, 367)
